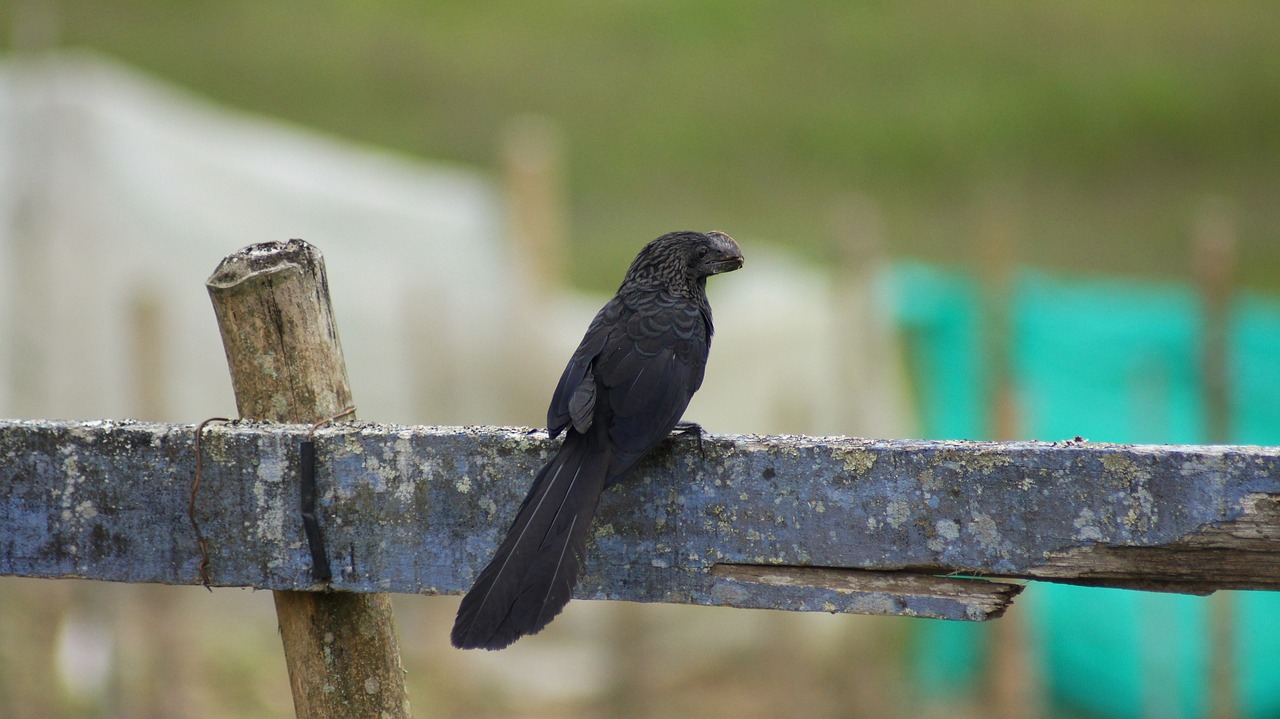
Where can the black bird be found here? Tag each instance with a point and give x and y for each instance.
(623, 392)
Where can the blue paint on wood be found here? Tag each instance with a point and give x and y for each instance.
(420, 509)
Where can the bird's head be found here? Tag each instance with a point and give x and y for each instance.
(686, 257)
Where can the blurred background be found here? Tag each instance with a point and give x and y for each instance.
(983, 220)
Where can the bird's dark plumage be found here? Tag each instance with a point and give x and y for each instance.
(622, 393)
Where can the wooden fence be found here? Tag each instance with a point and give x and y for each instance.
(913, 528)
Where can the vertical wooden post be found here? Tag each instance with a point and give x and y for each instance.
(533, 163)
(147, 366)
(155, 664)
(1013, 684)
(272, 304)
(870, 387)
(532, 157)
(631, 658)
(997, 253)
(872, 398)
(1214, 254)
(1214, 260)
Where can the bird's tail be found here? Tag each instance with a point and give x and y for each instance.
(532, 574)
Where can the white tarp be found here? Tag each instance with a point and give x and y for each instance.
(116, 190)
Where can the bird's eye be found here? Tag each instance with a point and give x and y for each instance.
(702, 252)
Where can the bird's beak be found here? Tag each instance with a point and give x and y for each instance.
(728, 264)
(730, 254)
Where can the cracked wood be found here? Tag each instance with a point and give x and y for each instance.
(419, 509)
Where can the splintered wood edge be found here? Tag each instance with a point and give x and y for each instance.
(885, 593)
(1243, 553)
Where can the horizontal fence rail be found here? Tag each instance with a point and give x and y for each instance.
(801, 523)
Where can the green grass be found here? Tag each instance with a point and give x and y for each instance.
(1092, 130)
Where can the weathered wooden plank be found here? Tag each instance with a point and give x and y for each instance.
(860, 591)
(419, 509)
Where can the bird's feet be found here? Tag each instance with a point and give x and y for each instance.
(684, 429)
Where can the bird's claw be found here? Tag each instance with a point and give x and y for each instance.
(684, 429)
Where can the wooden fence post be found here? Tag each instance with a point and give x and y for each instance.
(533, 165)
(1013, 688)
(272, 304)
(1214, 265)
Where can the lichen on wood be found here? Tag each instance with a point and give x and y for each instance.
(419, 509)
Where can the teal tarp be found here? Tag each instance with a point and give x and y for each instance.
(1111, 361)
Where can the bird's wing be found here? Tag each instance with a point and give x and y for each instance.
(646, 353)
(649, 371)
(575, 395)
